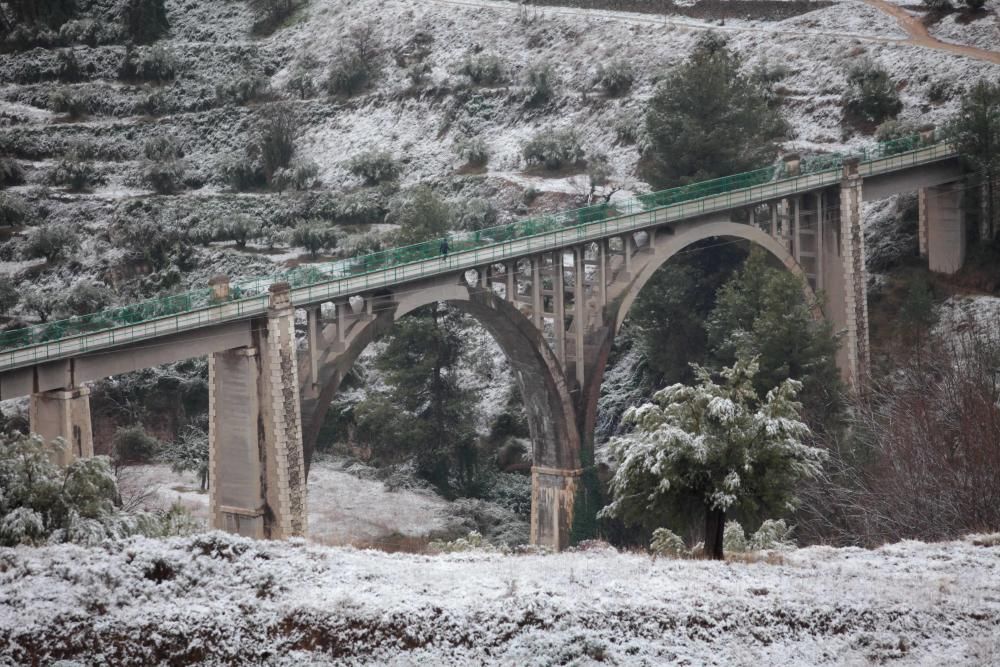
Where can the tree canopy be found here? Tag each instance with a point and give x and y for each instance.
(712, 449)
(976, 134)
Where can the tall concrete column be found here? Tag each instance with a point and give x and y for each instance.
(257, 472)
(943, 222)
(559, 305)
(854, 345)
(64, 413)
(553, 492)
(922, 220)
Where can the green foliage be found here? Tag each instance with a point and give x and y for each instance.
(11, 172)
(773, 534)
(711, 449)
(871, 93)
(483, 69)
(52, 242)
(975, 132)
(709, 118)
(163, 165)
(145, 21)
(160, 245)
(762, 312)
(86, 297)
(917, 315)
(471, 542)
(540, 81)
(553, 149)
(473, 151)
(40, 302)
(475, 213)
(131, 445)
(277, 140)
(374, 167)
(314, 236)
(188, 453)
(43, 503)
(670, 311)
(734, 540)
(420, 214)
(667, 543)
(615, 77)
(894, 129)
(299, 175)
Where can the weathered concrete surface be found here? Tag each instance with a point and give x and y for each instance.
(64, 413)
(941, 211)
(553, 492)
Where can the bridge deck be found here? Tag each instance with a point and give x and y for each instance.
(336, 281)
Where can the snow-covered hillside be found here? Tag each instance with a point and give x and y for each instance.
(222, 599)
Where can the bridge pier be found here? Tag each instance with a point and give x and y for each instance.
(64, 413)
(553, 492)
(256, 467)
(942, 227)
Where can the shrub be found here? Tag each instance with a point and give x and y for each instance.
(51, 242)
(937, 5)
(10, 294)
(145, 21)
(894, 129)
(483, 69)
(85, 31)
(975, 5)
(314, 237)
(87, 297)
(239, 229)
(68, 67)
(871, 93)
(131, 445)
(539, 84)
(68, 101)
(242, 174)
(243, 89)
(163, 166)
(189, 453)
(14, 210)
(269, 14)
(356, 66)
(277, 140)
(298, 176)
(616, 77)
(665, 542)
(475, 213)
(734, 540)
(75, 171)
(155, 64)
(39, 301)
(11, 172)
(374, 167)
(628, 128)
(772, 534)
(473, 151)
(553, 149)
(52, 13)
(474, 541)
(301, 81)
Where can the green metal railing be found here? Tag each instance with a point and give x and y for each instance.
(251, 293)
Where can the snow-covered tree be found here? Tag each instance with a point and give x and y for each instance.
(710, 449)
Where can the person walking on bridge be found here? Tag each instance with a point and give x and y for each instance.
(444, 248)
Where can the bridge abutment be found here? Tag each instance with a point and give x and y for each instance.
(942, 227)
(64, 413)
(256, 466)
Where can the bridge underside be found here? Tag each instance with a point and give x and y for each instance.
(554, 314)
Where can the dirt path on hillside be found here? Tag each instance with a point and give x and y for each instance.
(920, 36)
(917, 33)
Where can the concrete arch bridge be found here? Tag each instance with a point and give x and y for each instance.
(553, 291)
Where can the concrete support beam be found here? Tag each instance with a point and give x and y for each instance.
(579, 310)
(64, 413)
(602, 273)
(944, 223)
(553, 491)
(257, 472)
(854, 345)
(559, 305)
(510, 282)
(922, 220)
(313, 316)
(536, 291)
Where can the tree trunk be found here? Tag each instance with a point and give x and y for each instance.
(715, 523)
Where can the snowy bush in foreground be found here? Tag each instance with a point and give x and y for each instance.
(471, 542)
(666, 542)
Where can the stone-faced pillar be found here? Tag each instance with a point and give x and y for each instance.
(553, 492)
(64, 413)
(854, 346)
(257, 471)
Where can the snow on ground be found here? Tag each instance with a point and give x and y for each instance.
(983, 33)
(217, 598)
(960, 313)
(343, 509)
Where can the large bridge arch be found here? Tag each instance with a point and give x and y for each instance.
(548, 403)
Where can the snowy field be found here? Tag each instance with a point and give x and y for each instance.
(221, 599)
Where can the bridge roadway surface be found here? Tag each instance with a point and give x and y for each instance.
(341, 288)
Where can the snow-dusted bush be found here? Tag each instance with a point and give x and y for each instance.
(145, 21)
(11, 172)
(87, 31)
(242, 174)
(734, 539)
(894, 129)
(539, 84)
(301, 81)
(483, 69)
(665, 542)
(39, 302)
(300, 175)
(155, 64)
(269, 14)
(772, 534)
(75, 171)
(628, 128)
(131, 445)
(70, 101)
(188, 453)
(553, 149)
(938, 5)
(242, 89)
(163, 165)
(51, 242)
(475, 213)
(86, 296)
(43, 502)
(314, 236)
(615, 77)
(473, 151)
(471, 542)
(871, 93)
(374, 166)
(9, 294)
(276, 144)
(68, 67)
(14, 210)
(355, 66)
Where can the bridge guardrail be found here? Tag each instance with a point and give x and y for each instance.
(193, 309)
